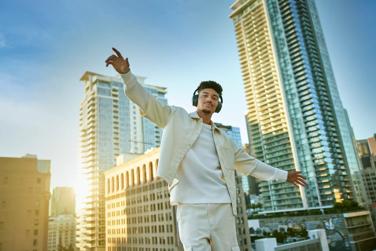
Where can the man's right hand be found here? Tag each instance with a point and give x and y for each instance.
(120, 64)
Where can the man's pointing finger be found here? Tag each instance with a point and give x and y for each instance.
(117, 53)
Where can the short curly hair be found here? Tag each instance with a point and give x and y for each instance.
(212, 85)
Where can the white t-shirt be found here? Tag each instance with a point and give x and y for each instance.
(200, 176)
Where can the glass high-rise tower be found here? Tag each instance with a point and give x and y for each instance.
(110, 125)
(295, 116)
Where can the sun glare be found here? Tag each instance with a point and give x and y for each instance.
(81, 190)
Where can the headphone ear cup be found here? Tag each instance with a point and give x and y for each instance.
(219, 107)
(194, 99)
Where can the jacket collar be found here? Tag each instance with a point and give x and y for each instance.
(194, 115)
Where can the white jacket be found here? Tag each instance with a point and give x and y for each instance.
(181, 129)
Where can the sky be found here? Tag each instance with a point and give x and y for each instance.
(46, 46)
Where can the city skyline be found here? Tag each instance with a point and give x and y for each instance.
(43, 59)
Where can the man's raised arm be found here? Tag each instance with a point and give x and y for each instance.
(152, 109)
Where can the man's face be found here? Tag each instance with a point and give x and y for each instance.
(207, 100)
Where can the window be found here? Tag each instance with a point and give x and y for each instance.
(144, 173)
(151, 171)
(112, 184)
(108, 185)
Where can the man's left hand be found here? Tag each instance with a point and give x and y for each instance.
(296, 178)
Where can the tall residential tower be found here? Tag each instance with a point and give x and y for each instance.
(295, 116)
(111, 125)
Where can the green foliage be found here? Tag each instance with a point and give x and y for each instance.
(345, 206)
(254, 206)
(297, 232)
(281, 236)
(251, 230)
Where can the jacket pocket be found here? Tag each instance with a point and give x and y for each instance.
(173, 184)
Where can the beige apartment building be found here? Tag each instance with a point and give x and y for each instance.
(138, 211)
(24, 196)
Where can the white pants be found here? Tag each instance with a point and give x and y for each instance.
(207, 227)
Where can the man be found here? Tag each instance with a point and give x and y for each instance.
(198, 161)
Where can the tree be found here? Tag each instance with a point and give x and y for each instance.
(280, 236)
(251, 230)
(346, 205)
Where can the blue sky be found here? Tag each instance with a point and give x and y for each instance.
(46, 46)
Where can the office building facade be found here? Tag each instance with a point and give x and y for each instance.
(367, 155)
(24, 198)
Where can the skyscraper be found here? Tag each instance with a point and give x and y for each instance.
(24, 197)
(295, 116)
(110, 125)
(63, 201)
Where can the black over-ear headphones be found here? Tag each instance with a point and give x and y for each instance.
(195, 100)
